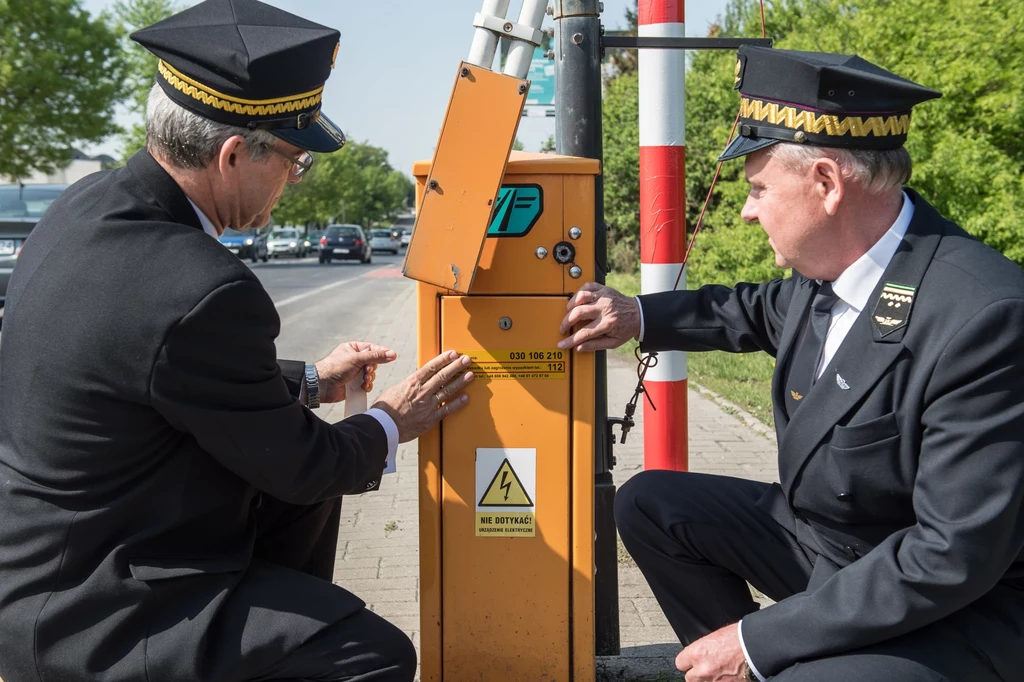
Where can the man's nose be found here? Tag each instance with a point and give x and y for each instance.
(749, 213)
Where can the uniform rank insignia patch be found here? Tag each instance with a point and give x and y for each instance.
(893, 308)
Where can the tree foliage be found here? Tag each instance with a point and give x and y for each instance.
(967, 148)
(61, 74)
(355, 185)
(140, 63)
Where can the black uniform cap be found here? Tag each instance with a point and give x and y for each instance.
(247, 64)
(822, 99)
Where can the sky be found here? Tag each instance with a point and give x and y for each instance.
(396, 67)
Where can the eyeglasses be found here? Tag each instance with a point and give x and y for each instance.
(300, 164)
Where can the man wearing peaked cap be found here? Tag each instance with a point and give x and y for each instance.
(893, 543)
(170, 500)
(249, 65)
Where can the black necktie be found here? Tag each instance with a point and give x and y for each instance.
(803, 363)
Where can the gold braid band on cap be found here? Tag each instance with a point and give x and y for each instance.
(812, 122)
(246, 107)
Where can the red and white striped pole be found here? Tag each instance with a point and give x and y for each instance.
(663, 220)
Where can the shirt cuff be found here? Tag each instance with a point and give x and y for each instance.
(390, 428)
(640, 338)
(753, 668)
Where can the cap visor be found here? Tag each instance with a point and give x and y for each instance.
(741, 146)
(322, 136)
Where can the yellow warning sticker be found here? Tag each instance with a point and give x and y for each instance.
(519, 364)
(506, 481)
(506, 490)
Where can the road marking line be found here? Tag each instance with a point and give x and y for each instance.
(318, 290)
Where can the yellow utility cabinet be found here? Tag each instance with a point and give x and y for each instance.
(506, 485)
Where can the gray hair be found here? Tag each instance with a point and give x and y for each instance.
(877, 170)
(189, 141)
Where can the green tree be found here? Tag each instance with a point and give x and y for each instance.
(622, 172)
(141, 63)
(60, 78)
(356, 185)
(967, 149)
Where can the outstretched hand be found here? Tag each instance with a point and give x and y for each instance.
(612, 319)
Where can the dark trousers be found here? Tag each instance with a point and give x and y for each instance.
(360, 648)
(698, 539)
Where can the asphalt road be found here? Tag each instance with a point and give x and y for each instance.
(324, 305)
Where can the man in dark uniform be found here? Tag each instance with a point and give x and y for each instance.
(167, 492)
(893, 545)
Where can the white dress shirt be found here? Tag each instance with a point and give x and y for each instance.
(385, 420)
(854, 288)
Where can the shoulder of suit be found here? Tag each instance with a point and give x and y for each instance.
(975, 269)
(181, 261)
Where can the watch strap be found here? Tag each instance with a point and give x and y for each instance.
(312, 385)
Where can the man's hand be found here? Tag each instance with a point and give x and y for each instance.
(717, 657)
(613, 319)
(344, 364)
(428, 396)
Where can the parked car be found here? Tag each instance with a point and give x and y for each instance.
(248, 244)
(406, 236)
(345, 242)
(384, 240)
(21, 207)
(312, 240)
(286, 242)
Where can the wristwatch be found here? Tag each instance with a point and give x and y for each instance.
(312, 385)
(748, 674)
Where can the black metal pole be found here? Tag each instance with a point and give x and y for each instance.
(578, 133)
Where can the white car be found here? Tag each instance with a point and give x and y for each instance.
(382, 240)
(406, 236)
(286, 242)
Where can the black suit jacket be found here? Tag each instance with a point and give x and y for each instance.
(142, 414)
(903, 467)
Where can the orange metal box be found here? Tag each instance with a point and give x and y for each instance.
(506, 485)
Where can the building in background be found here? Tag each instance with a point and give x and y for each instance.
(79, 167)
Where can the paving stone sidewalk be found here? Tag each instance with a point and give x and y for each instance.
(378, 543)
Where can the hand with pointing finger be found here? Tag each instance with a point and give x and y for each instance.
(343, 365)
(427, 396)
(611, 319)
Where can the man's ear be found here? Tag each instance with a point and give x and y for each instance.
(829, 184)
(227, 159)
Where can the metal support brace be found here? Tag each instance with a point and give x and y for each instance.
(649, 42)
(508, 29)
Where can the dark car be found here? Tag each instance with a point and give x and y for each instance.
(21, 207)
(248, 244)
(345, 242)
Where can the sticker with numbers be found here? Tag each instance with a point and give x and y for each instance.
(519, 364)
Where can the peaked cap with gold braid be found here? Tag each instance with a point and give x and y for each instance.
(248, 64)
(822, 99)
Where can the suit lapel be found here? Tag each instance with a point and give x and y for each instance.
(163, 190)
(864, 355)
(798, 308)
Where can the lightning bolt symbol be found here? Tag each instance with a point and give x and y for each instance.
(507, 487)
